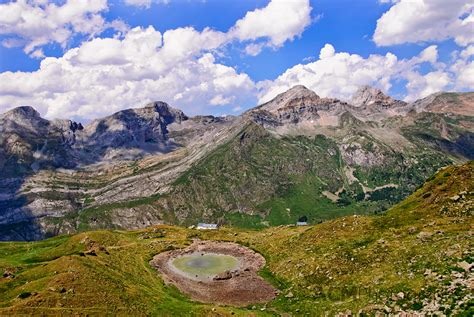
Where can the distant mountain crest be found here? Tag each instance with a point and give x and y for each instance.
(21, 113)
(367, 95)
(296, 96)
(447, 102)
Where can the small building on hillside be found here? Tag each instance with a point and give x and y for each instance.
(207, 226)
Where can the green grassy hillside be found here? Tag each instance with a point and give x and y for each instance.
(260, 179)
(420, 250)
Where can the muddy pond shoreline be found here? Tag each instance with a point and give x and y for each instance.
(239, 287)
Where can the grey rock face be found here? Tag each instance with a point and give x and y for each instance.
(28, 141)
(368, 95)
(355, 155)
(144, 129)
(31, 142)
(30, 146)
(132, 127)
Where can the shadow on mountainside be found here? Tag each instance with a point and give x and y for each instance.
(137, 138)
(41, 145)
(17, 221)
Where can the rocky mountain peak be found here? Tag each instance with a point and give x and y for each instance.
(165, 110)
(159, 106)
(367, 95)
(300, 90)
(447, 102)
(143, 128)
(297, 92)
(296, 96)
(23, 112)
(23, 119)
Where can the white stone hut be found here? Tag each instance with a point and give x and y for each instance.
(207, 226)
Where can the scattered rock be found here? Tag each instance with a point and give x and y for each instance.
(465, 266)
(424, 236)
(455, 197)
(289, 295)
(227, 275)
(91, 252)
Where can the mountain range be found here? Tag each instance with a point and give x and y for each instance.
(296, 155)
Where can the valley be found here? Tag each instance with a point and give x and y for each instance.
(415, 258)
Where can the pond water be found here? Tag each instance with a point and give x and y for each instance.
(204, 265)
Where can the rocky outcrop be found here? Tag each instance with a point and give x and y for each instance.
(297, 96)
(368, 96)
(132, 127)
(298, 105)
(29, 142)
(130, 133)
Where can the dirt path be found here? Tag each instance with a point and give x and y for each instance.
(239, 287)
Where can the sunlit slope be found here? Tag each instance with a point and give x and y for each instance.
(422, 248)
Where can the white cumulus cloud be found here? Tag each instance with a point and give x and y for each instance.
(220, 100)
(340, 74)
(463, 67)
(414, 21)
(144, 3)
(465, 77)
(32, 24)
(278, 22)
(103, 75)
(327, 51)
(106, 75)
(420, 86)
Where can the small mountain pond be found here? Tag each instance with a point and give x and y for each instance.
(205, 265)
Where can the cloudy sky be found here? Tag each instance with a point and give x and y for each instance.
(84, 59)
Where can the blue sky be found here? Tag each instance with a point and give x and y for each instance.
(224, 56)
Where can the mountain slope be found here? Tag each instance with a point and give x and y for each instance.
(415, 259)
(269, 175)
(297, 155)
(26, 140)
